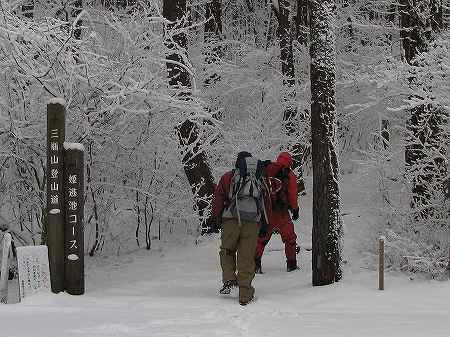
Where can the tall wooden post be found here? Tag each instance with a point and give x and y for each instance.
(381, 263)
(74, 233)
(53, 231)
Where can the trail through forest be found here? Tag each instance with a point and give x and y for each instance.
(173, 291)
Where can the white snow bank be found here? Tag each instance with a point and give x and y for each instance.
(57, 100)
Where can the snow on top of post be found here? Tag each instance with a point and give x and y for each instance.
(382, 238)
(73, 146)
(276, 5)
(57, 100)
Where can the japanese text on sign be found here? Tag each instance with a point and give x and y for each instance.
(54, 170)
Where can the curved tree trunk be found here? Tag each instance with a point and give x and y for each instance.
(327, 224)
(195, 164)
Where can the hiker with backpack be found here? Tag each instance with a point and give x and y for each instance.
(282, 183)
(238, 206)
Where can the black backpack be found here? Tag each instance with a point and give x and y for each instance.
(278, 189)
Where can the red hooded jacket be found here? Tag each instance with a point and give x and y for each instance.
(285, 160)
(221, 194)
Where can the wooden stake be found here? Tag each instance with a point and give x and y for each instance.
(381, 264)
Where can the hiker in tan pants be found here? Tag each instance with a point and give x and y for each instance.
(239, 243)
(239, 235)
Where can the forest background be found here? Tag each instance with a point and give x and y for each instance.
(239, 79)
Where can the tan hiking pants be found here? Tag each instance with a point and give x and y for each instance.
(238, 240)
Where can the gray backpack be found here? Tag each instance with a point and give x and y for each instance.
(247, 190)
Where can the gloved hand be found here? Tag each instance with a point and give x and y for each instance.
(262, 230)
(295, 214)
(216, 225)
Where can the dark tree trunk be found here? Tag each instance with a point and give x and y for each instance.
(385, 134)
(413, 31)
(390, 17)
(290, 115)
(195, 166)
(77, 7)
(302, 22)
(327, 223)
(437, 22)
(111, 4)
(213, 26)
(424, 124)
(285, 38)
(213, 33)
(28, 9)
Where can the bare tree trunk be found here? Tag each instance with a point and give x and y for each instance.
(213, 32)
(138, 215)
(437, 17)
(302, 22)
(327, 223)
(425, 123)
(195, 164)
(77, 7)
(28, 9)
(385, 135)
(290, 116)
(414, 42)
(94, 215)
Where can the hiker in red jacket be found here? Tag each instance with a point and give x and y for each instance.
(283, 199)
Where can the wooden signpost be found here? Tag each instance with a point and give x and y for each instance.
(64, 234)
(54, 233)
(74, 233)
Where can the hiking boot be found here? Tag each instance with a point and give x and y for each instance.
(291, 265)
(246, 295)
(258, 269)
(227, 286)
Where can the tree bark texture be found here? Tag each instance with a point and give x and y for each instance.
(327, 223)
(425, 122)
(437, 15)
(413, 28)
(213, 32)
(195, 164)
(302, 22)
(290, 114)
(28, 9)
(77, 7)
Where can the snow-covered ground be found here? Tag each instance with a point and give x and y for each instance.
(174, 292)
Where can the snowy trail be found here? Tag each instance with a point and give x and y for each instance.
(173, 293)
